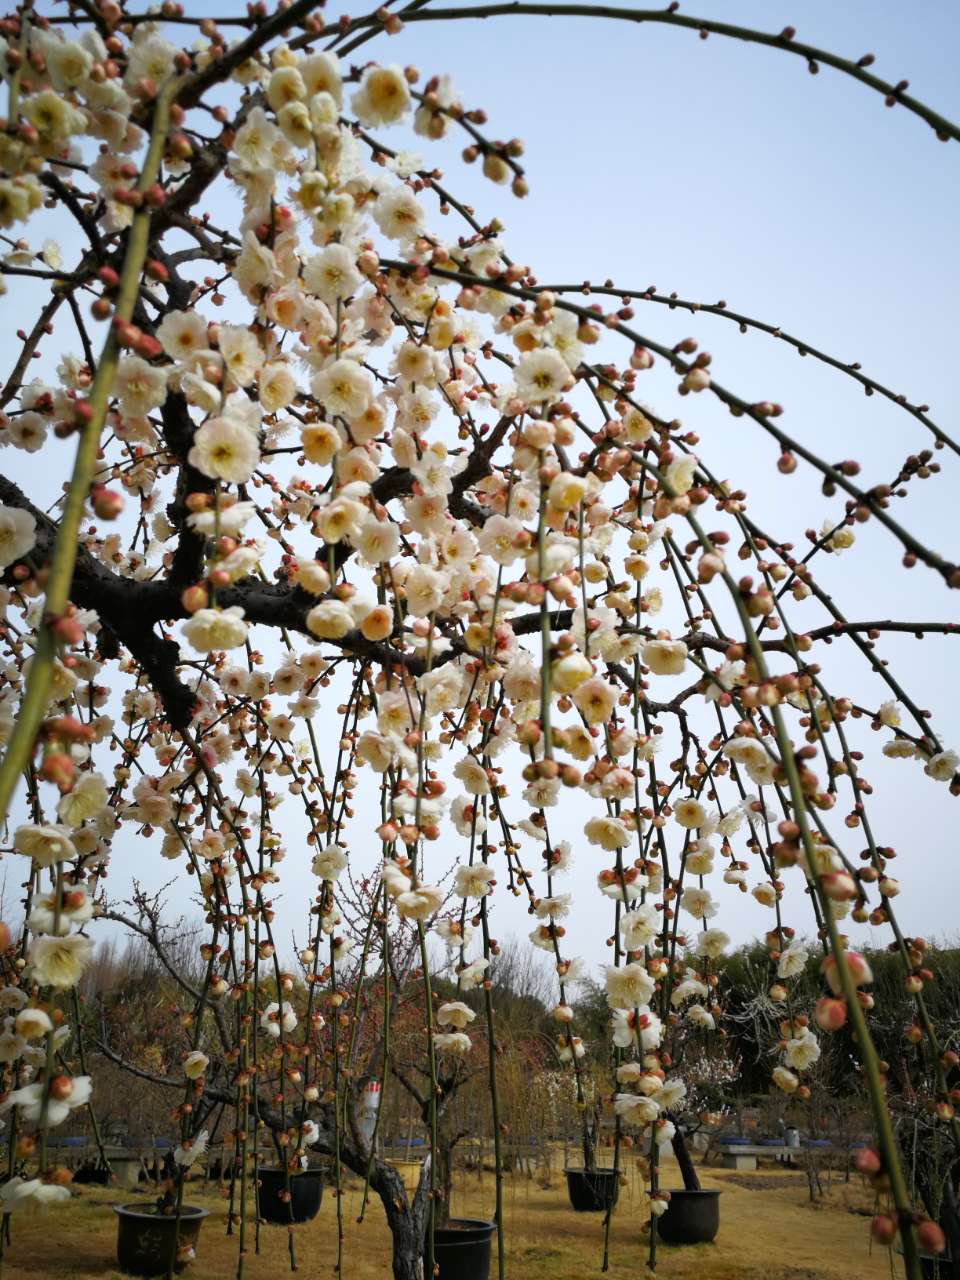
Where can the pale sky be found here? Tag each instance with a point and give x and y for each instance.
(719, 170)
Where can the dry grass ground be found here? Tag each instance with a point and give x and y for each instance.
(769, 1231)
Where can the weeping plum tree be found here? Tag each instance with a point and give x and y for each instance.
(341, 461)
(382, 1042)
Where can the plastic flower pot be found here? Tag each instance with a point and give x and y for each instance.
(409, 1171)
(148, 1240)
(592, 1190)
(306, 1192)
(462, 1248)
(691, 1217)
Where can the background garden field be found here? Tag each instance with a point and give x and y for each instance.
(766, 1215)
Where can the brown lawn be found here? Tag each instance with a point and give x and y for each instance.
(769, 1231)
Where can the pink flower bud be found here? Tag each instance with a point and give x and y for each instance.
(883, 1228)
(867, 1162)
(830, 1014)
(931, 1237)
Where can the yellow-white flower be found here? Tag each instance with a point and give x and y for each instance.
(689, 813)
(567, 491)
(277, 1017)
(473, 974)
(225, 449)
(52, 116)
(802, 1051)
(454, 1013)
(241, 352)
(320, 73)
(679, 474)
(44, 844)
(332, 274)
(195, 1064)
(785, 1080)
(629, 986)
(383, 96)
(608, 832)
(183, 334)
(329, 863)
(320, 442)
(330, 620)
(424, 588)
(139, 386)
(209, 630)
(285, 85)
(456, 1042)
(33, 1023)
(640, 926)
(635, 1108)
(473, 776)
(712, 943)
(59, 962)
(542, 376)
(377, 540)
(698, 903)
(665, 657)
(68, 63)
(344, 388)
(473, 881)
(419, 903)
(21, 1195)
(86, 799)
(276, 386)
(792, 960)
(595, 700)
(18, 534)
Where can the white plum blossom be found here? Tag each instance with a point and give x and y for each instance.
(330, 862)
(608, 833)
(277, 1018)
(211, 629)
(18, 534)
(474, 881)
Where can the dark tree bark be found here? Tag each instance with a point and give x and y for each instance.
(405, 1218)
(589, 1141)
(682, 1153)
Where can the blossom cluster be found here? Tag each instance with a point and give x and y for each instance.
(391, 452)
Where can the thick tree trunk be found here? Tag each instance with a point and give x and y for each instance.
(407, 1247)
(589, 1144)
(682, 1152)
(405, 1218)
(406, 1215)
(444, 1182)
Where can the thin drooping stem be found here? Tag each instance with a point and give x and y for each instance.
(34, 702)
(783, 41)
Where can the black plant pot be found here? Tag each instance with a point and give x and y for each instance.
(147, 1240)
(934, 1266)
(461, 1249)
(691, 1217)
(306, 1192)
(592, 1190)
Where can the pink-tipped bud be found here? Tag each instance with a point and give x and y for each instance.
(830, 1014)
(883, 1228)
(931, 1237)
(194, 598)
(856, 965)
(867, 1162)
(838, 886)
(106, 502)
